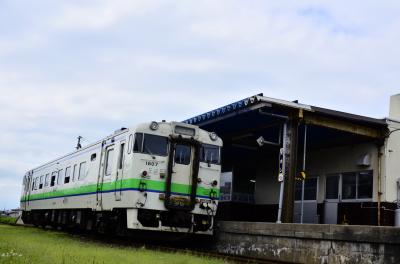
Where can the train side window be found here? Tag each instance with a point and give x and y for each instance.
(67, 174)
(53, 178)
(130, 143)
(41, 182)
(109, 163)
(75, 173)
(93, 157)
(36, 183)
(28, 183)
(137, 147)
(33, 184)
(82, 170)
(60, 177)
(121, 156)
(47, 180)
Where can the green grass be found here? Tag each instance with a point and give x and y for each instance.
(7, 220)
(19, 244)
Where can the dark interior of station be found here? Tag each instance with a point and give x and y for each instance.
(243, 156)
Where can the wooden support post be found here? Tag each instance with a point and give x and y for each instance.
(290, 163)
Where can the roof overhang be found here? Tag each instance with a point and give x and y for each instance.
(355, 124)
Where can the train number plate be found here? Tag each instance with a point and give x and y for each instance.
(179, 200)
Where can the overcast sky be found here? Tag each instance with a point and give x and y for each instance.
(70, 68)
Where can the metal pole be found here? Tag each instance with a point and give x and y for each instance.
(304, 169)
(282, 155)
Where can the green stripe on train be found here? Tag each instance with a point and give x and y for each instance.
(121, 184)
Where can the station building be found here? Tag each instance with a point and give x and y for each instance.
(285, 161)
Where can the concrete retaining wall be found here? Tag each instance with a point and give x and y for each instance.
(306, 243)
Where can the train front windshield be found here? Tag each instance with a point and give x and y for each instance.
(210, 154)
(151, 144)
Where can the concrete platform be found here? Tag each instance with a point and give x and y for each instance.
(310, 243)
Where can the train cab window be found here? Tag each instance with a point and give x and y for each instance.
(67, 174)
(82, 170)
(33, 184)
(210, 154)
(41, 182)
(93, 157)
(47, 180)
(182, 154)
(155, 145)
(137, 146)
(53, 179)
(130, 143)
(109, 162)
(60, 178)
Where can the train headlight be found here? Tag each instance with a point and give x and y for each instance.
(154, 125)
(144, 173)
(214, 183)
(213, 136)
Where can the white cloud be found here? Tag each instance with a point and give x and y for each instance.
(99, 15)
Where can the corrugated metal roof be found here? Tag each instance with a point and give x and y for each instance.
(250, 102)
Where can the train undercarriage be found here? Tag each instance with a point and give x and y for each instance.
(115, 221)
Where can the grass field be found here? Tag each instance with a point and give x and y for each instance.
(7, 220)
(20, 244)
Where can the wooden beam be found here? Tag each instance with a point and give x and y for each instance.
(346, 126)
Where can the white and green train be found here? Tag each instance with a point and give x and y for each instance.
(160, 176)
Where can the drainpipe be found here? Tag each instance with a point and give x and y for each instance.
(381, 143)
(379, 183)
(304, 169)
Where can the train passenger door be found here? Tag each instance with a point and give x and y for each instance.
(107, 175)
(183, 170)
(120, 171)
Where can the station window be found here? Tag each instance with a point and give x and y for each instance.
(355, 185)
(364, 184)
(332, 187)
(47, 180)
(82, 170)
(310, 189)
(109, 162)
(349, 185)
(67, 174)
(182, 154)
(60, 178)
(210, 154)
(53, 178)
